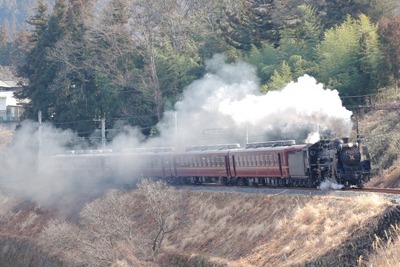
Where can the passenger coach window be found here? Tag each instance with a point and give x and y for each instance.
(157, 163)
(221, 161)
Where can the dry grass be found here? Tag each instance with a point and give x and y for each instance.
(232, 229)
(389, 178)
(381, 126)
(21, 218)
(271, 230)
(387, 254)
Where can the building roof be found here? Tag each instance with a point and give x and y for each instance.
(12, 83)
(4, 84)
(9, 84)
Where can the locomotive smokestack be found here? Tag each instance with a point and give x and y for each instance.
(345, 140)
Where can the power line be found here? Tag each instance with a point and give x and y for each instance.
(357, 96)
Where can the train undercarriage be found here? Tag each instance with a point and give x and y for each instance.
(270, 182)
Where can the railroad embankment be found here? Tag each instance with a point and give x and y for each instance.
(217, 229)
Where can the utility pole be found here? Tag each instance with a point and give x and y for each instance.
(103, 132)
(176, 130)
(39, 155)
(247, 134)
(40, 129)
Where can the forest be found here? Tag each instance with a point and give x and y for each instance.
(130, 60)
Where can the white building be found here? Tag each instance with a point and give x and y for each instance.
(10, 109)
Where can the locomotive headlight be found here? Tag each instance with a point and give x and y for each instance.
(350, 144)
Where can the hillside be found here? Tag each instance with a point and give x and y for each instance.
(380, 124)
(222, 229)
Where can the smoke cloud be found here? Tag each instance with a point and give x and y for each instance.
(226, 106)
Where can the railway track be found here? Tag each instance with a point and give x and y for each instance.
(390, 191)
(365, 189)
(377, 190)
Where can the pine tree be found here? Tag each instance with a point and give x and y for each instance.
(59, 85)
(37, 68)
(252, 25)
(38, 21)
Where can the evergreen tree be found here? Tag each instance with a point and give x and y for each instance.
(38, 21)
(252, 25)
(38, 69)
(60, 85)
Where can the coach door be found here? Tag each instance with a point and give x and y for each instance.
(168, 166)
(230, 165)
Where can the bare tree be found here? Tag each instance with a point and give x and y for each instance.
(107, 232)
(60, 238)
(165, 205)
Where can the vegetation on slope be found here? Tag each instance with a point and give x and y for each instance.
(219, 229)
(387, 253)
(380, 126)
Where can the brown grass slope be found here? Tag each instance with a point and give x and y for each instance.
(280, 230)
(230, 229)
(380, 124)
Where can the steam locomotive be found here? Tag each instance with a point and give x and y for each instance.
(272, 163)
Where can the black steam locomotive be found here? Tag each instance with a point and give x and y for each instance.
(273, 163)
(340, 161)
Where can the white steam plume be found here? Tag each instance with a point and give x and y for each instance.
(226, 106)
(328, 185)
